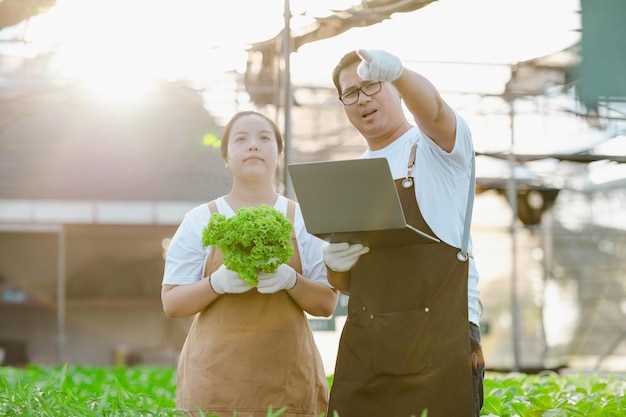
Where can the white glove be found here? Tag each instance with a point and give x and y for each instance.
(284, 278)
(377, 65)
(225, 281)
(341, 257)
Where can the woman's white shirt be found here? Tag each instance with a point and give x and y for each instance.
(186, 257)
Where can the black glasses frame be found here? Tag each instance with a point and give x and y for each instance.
(360, 90)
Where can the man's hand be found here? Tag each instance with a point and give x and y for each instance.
(341, 257)
(225, 281)
(284, 278)
(377, 65)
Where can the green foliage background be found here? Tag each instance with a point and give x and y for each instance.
(149, 391)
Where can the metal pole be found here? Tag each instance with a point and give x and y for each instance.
(288, 190)
(547, 239)
(277, 99)
(512, 194)
(61, 304)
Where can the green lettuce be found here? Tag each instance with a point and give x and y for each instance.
(255, 240)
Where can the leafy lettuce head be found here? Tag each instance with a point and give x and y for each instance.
(255, 240)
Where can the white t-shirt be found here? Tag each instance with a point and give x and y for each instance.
(442, 182)
(186, 257)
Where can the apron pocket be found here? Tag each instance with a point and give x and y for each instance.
(354, 359)
(403, 341)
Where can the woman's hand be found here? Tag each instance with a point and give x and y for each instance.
(284, 278)
(225, 281)
(314, 298)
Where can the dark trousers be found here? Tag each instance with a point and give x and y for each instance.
(478, 368)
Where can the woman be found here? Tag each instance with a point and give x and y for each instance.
(248, 348)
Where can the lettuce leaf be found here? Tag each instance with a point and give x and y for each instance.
(256, 239)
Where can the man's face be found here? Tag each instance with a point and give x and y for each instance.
(374, 116)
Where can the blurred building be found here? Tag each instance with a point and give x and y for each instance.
(90, 193)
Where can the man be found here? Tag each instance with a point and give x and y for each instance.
(407, 345)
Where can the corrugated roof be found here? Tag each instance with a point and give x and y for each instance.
(367, 13)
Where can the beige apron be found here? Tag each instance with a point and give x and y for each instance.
(247, 352)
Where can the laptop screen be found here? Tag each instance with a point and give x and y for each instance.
(347, 196)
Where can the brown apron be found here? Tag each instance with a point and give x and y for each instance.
(405, 345)
(247, 352)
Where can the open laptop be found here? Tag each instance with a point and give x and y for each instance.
(353, 201)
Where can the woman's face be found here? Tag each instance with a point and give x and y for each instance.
(252, 148)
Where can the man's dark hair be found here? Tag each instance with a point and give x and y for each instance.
(348, 59)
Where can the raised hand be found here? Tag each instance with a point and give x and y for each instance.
(378, 65)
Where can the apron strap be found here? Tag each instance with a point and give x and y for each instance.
(212, 207)
(464, 254)
(209, 261)
(291, 215)
(412, 156)
(296, 260)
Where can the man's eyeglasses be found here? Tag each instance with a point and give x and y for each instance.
(352, 96)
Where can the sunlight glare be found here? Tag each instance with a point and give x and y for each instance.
(119, 49)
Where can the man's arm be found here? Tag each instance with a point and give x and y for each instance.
(339, 280)
(433, 115)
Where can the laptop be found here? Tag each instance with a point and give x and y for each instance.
(353, 201)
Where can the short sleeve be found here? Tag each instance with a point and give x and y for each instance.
(185, 258)
(310, 247)
(463, 149)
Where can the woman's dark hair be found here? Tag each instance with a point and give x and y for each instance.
(348, 59)
(237, 116)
